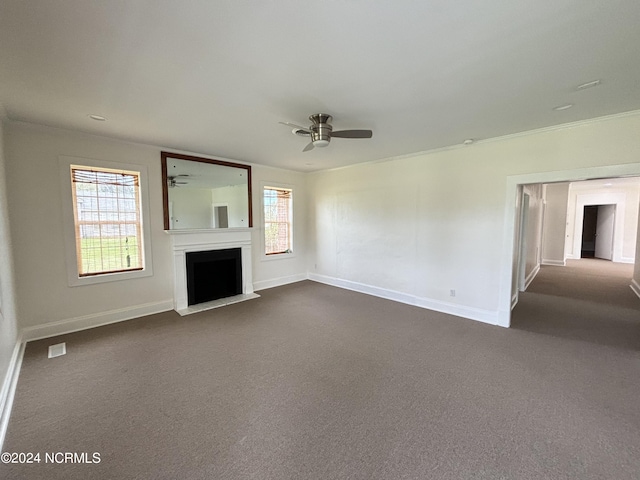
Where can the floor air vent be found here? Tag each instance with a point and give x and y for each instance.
(57, 350)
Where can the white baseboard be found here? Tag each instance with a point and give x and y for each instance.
(480, 315)
(76, 324)
(635, 286)
(627, 260)
(557, 263)
(472, 313)
(514, 300)
(277, 282)
(531, 276)
(9, 388)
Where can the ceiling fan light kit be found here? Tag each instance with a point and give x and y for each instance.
(321, 131)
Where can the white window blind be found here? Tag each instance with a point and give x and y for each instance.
(107, 219)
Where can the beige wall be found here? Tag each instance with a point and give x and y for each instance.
(555, 223)
(415, 228)
(533, 231)
(411, 228)
(8, 314)
(636, 272)
(35, 210)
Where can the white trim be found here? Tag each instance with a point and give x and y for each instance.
(530, 277)
(514, 300)
(73, 279)
(525, 133)
(556, 263)
(471, 313)
(635, 286)
(508, 230)
(618, 199)
(192, 231)
(85, 322)
(9, 388)
(277, 256)
(205, 240)
(631, 260)
(221, 302)
(277, 282)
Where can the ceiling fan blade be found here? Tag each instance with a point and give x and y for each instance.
(352, 134)
(293, 125)
(308, 147)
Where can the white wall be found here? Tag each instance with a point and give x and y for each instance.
(533, 232)
(415, 228)
(235, 197)
(635, 282)
(555, 223)
(44, 299)
(8, 313)
(191, 208)
(278, 269)
(410, 228)
(625, 195)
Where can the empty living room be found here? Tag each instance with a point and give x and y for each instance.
(352, 240)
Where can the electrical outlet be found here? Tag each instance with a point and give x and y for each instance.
(452, 293)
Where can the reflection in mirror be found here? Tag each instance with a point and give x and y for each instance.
(200, 193)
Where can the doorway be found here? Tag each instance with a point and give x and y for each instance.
(597, 231)
(510, 254)
(220, 216)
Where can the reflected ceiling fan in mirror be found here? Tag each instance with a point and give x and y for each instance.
(320, 131)
(175, 181)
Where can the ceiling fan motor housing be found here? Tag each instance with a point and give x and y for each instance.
(320, 129)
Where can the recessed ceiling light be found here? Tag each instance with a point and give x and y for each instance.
(563, 107)
(468, 141)
(593, 83)
(608, 184)
(99, 118)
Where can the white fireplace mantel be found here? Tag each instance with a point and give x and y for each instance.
(185, 241)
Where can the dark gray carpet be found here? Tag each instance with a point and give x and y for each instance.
(315, 382)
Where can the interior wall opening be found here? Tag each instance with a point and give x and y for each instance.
(587, 228)
(511, 259)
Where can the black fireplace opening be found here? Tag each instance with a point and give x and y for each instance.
(213, 274)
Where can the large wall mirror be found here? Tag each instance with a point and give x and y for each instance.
(201, 193)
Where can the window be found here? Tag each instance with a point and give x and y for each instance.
(278, 216)
(107, 218)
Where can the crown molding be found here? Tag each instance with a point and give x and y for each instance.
(537, 131)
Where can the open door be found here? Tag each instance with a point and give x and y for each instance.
(604, 231)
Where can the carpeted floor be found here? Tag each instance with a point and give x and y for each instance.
(315, 382)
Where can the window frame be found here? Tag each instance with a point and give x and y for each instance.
(280, 255)
(71, 252)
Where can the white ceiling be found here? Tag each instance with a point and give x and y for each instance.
(216, 77)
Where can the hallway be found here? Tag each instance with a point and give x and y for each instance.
(588, 300)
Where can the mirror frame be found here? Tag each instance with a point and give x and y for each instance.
(165, 189)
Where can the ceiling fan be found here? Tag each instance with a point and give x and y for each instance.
(320, 131)
(173, 181)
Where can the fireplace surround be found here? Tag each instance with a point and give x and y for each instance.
(210, 243)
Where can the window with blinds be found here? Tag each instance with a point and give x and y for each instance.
(107, 218)
(278, 216)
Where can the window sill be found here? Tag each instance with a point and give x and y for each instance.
(277, 256)
(76, 281)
